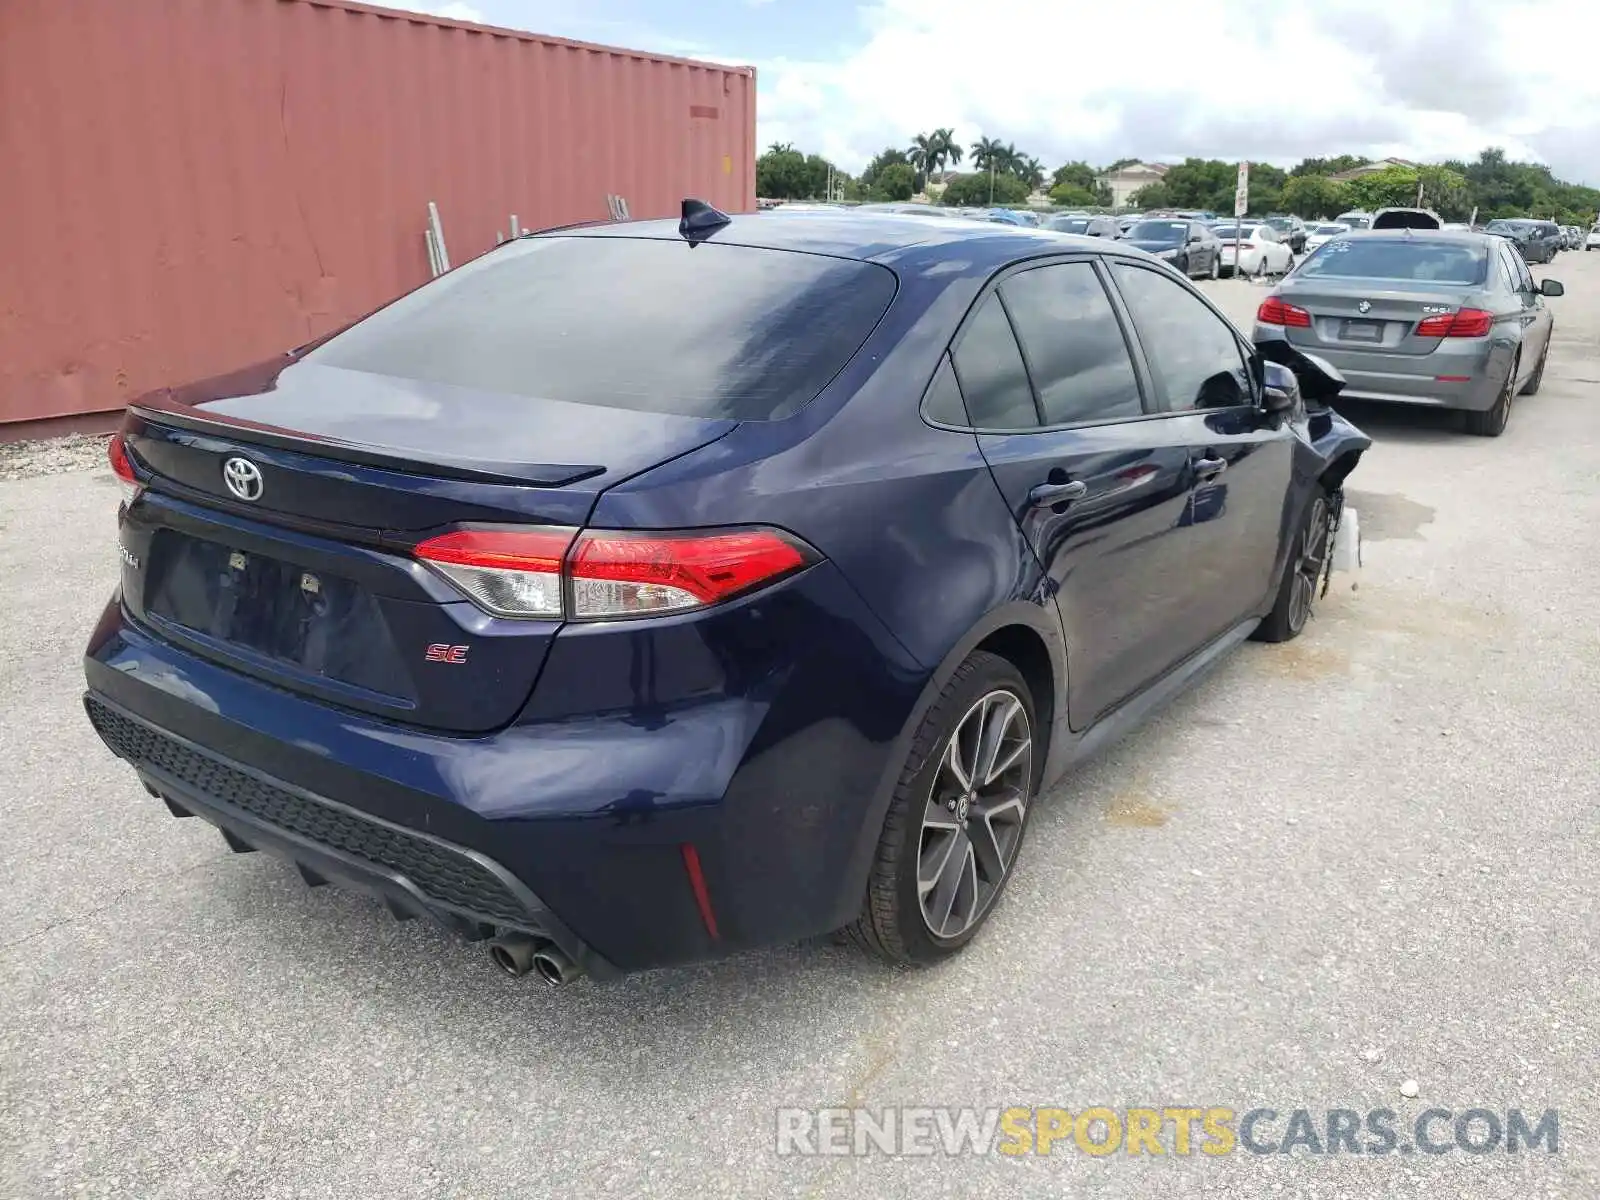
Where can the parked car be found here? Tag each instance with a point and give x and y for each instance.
(1574, 238)
(1128, 220)
(1356, 219)
(1453, 320)
(1189, 246)
(1102, 227)
(1290, 230)
(1535, 240)
(1406, 218)
(598, 624)
(1593, 239)
(1322, 232)
(1252, 249)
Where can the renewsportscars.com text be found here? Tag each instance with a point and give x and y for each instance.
(1177, 1130)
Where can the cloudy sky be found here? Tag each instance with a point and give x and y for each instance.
(1267, 80)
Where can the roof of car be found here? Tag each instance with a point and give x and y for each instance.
(872, 235)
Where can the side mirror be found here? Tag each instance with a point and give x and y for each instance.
(1549, 287)
(1282, 388)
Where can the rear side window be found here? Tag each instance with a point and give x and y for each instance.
(1073, 342)
(650, 325)
(1193, 352)
(1413, 258)
(993, 380)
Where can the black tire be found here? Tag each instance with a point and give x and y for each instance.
(1531, 388)
(1184, 267)
(1261, 268)
(1302, 574)
(892, 924)
(1216, 266)
(1492, 421)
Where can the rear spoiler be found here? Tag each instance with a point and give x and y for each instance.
(162, 408)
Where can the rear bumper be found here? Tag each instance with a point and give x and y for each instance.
(568, 825)
(1434, 380)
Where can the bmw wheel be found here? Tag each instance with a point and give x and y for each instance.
(1492, 421)
(956, 821)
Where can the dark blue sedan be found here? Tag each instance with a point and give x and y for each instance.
(638, 593)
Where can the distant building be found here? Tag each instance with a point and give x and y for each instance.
(1125, 181)
(1371, 168)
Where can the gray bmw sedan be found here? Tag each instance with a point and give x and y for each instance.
(1453, 320)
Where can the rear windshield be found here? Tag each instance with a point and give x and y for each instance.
(1399, 258)
(1159, 231)
(1069, 224)
(649, 325)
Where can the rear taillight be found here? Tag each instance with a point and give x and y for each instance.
(1274, 311)
(122, 468)
(1469, 322)
(599, 574)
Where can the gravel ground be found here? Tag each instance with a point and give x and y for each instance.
(51, 456)
(1338, 867)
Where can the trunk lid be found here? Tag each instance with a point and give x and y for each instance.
(308, 583)
(1380, 318)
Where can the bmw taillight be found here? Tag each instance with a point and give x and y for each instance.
(556, 573)
(122, 468)
(1274, 311)
(1469, 322)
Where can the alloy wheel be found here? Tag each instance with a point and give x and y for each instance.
(1313, 562)
(973, 818)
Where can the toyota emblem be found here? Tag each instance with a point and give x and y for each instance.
(243, 478)
(1365, 306)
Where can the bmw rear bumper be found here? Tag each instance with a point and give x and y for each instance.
(1461, 374)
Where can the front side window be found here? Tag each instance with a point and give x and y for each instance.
(1194, 353)
(1074, 345)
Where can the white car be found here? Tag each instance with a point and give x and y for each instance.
(1318, 235)
(1593, 240)
(1253, 249)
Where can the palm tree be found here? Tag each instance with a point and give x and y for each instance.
(987, 153)
(1030, 170)
(923, 154)
(781, 148)
(949, 148)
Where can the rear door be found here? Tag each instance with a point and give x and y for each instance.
(1222, 562)
(1096, 479)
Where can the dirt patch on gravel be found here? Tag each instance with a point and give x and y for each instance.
(51, 456)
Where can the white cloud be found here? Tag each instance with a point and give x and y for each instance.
(453, 10)
(1423, 79)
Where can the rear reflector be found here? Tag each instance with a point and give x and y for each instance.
(1469, 322)
(542, 572)
(122, 467)
(1274, 311)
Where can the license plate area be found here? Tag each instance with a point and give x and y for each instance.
(1354, 329)
(320, 623)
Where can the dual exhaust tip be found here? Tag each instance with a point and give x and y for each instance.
(517, 954)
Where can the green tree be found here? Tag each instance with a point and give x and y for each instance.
(1202, 183)
(1071, 195)
(897, 181)
(1313, 196)
(889, 156)
(781, 174)
(1080, 174)
(1390, 187)
(973, 191)
(1152, 195)
(1328, 166)
(949, 148)
(1119, 164)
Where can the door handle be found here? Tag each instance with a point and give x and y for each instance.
(1205, 468)
(1057, 493)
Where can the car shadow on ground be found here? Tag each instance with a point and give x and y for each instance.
(1410, 424)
